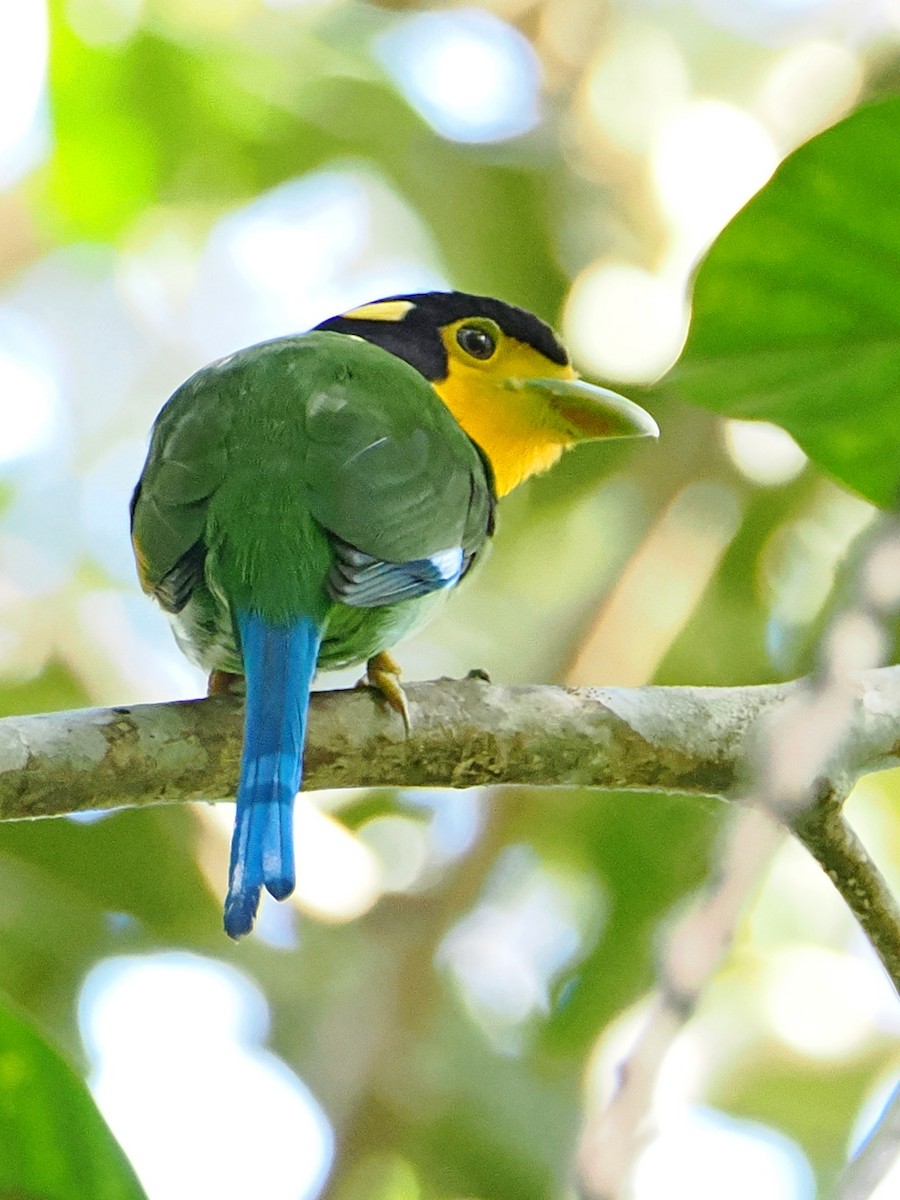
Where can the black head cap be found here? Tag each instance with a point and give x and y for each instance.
(414, 336)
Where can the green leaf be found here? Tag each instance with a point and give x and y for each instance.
(53, 1142)
(797, 306)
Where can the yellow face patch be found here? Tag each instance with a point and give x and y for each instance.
(381, 310)
(515, 428)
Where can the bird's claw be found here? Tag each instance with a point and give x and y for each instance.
(383, 674)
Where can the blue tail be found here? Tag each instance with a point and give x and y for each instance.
(279, 663)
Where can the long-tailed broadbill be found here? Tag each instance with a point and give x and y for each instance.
(307, 502)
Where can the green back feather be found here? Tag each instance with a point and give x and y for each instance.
(258, 458)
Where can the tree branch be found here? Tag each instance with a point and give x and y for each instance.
(466, 733)
(824, 831)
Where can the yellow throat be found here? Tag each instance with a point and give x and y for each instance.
(513, 427)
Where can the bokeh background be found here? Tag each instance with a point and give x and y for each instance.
(459, 973)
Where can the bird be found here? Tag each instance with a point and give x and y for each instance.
(309, 501)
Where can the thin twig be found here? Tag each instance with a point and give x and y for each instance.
(824, 831)
(801, 747)
(875, 1157)
(692, 952)
(799, 769)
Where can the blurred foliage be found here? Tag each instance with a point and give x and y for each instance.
(443, 1079)
(287, 98)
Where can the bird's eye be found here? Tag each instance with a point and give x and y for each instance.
(476, 341)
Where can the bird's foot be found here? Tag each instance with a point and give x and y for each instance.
(383, 674)
(224, 683)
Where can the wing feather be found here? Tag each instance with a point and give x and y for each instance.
(186, 462)
(379, 461)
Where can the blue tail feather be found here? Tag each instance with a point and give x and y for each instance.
(279, 663)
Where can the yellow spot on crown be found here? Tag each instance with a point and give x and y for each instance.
(382, 310)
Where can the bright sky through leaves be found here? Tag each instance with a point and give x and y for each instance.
(175, 1045)
(470, 75)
